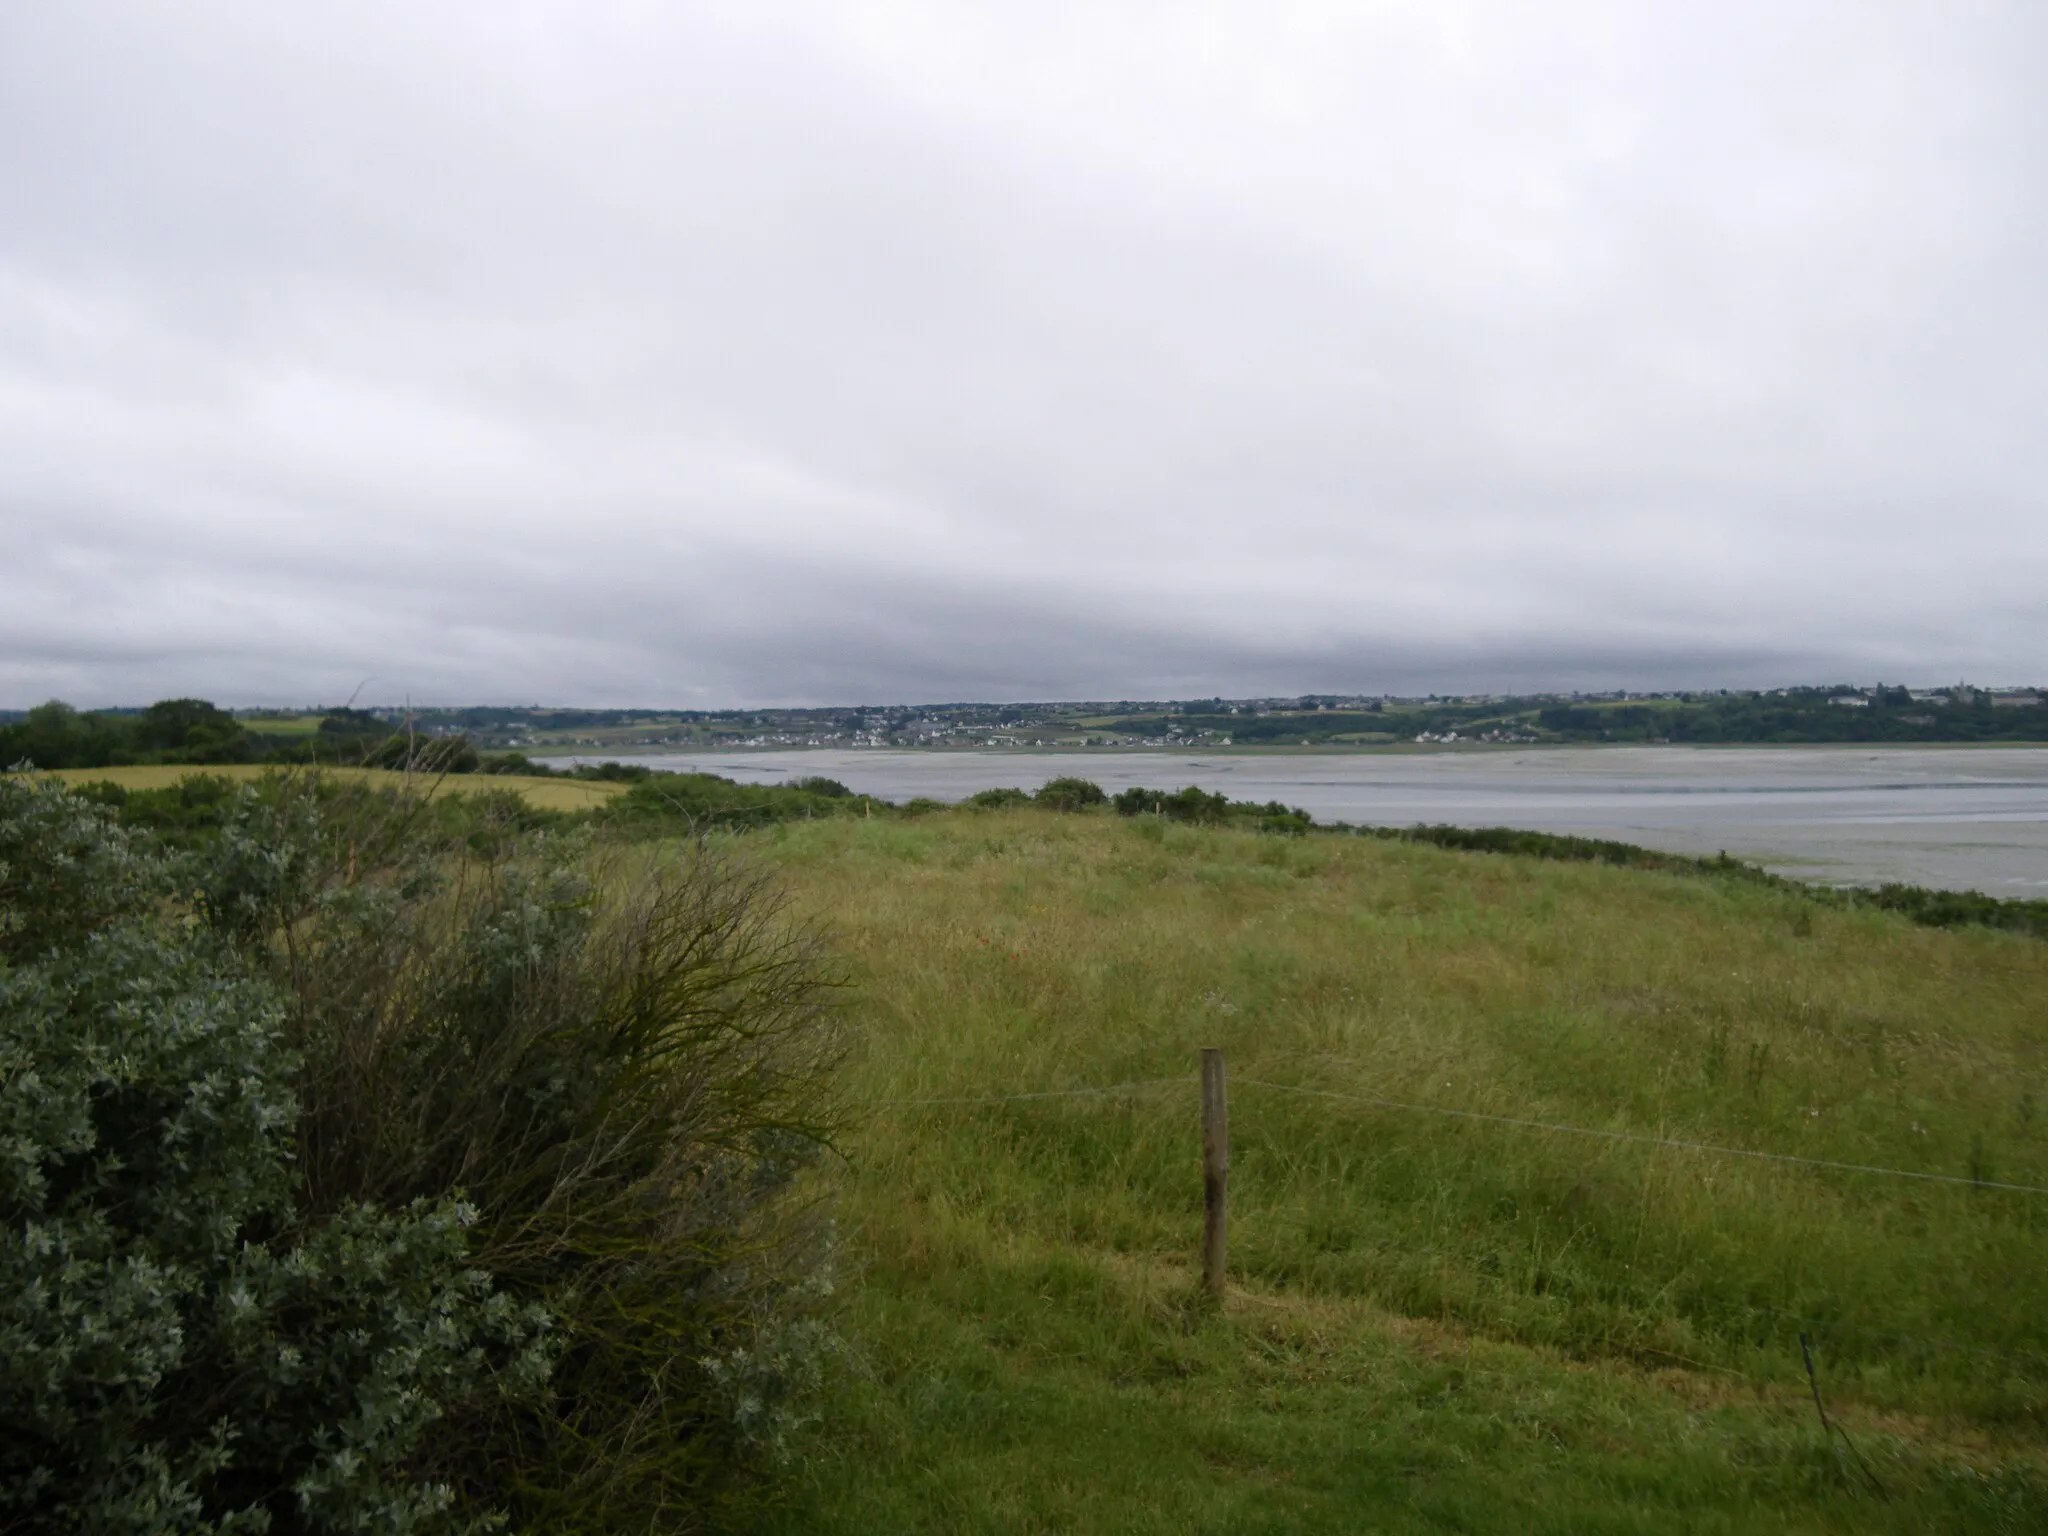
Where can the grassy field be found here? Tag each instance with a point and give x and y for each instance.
(543, 793)
(1436, 1324)
(281, 725)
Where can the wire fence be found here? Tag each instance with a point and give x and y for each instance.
(1672, 1143)
(1107, 1090)
(1801, 1322)
(1805, 1326)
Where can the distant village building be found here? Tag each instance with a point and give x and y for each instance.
(1850, 701)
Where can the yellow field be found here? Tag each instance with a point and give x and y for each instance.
(542, 794)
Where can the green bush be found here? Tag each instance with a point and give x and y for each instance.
(817, 784)
(1953, 909)
(1189, 804)
(65, 872)
(515, 762)
(668, 803)
(1194, 804)
(177, 815)
(996, 799)
(367, 1170)
(407, 753)
(622, 1060)
(1070, 794)
(614, 772)
(180, 1349)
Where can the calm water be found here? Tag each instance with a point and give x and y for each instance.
(1973, 818)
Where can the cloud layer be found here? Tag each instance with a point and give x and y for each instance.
(708, 354)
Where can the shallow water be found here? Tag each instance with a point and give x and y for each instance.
(1966, 818)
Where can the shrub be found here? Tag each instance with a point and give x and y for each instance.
(1951, 909)
(623, 1062)
(65, 872)
(1196, 804)
(179, 1349)
(515, 762)
(997, 799)
(666, 803)
(406, 753)
(614, 772)
(1070, 794)
(364, 1171)
(1190, 804)
(831, 789)
(1279, 819)
(177, 815)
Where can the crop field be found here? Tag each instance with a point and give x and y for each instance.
(1435, 1323)
(282, 725)
(547, 794)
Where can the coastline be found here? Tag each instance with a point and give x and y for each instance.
(1946, 819)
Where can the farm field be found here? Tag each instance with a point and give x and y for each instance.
(281, 725)
(1435, 1323)
(546, 794)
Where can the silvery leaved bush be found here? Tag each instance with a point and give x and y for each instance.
(183, 1347)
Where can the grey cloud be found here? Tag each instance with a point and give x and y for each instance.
(711, 355)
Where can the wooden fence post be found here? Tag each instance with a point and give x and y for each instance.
(1215, 1170)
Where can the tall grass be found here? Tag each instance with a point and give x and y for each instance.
(1003, 952)
(620, 1061)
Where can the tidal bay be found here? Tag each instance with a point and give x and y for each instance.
(1961, 818)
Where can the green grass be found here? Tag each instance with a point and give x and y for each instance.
(1437, 1324)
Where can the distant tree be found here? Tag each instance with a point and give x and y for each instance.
(45, 739)
(352, 722)
(428, 754)
(192, 731)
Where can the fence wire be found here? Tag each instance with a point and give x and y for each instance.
(1637, 1136)
(1049, 1093)
(1673, 1143)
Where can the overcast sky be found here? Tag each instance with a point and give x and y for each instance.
(780, 353)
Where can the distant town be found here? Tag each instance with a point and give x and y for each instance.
(1843, 713)
(193, 730)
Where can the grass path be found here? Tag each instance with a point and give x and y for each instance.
(1438, 1325)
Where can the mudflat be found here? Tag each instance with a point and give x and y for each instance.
(1964, 818)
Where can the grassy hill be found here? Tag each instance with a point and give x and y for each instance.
(1437, 1323)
